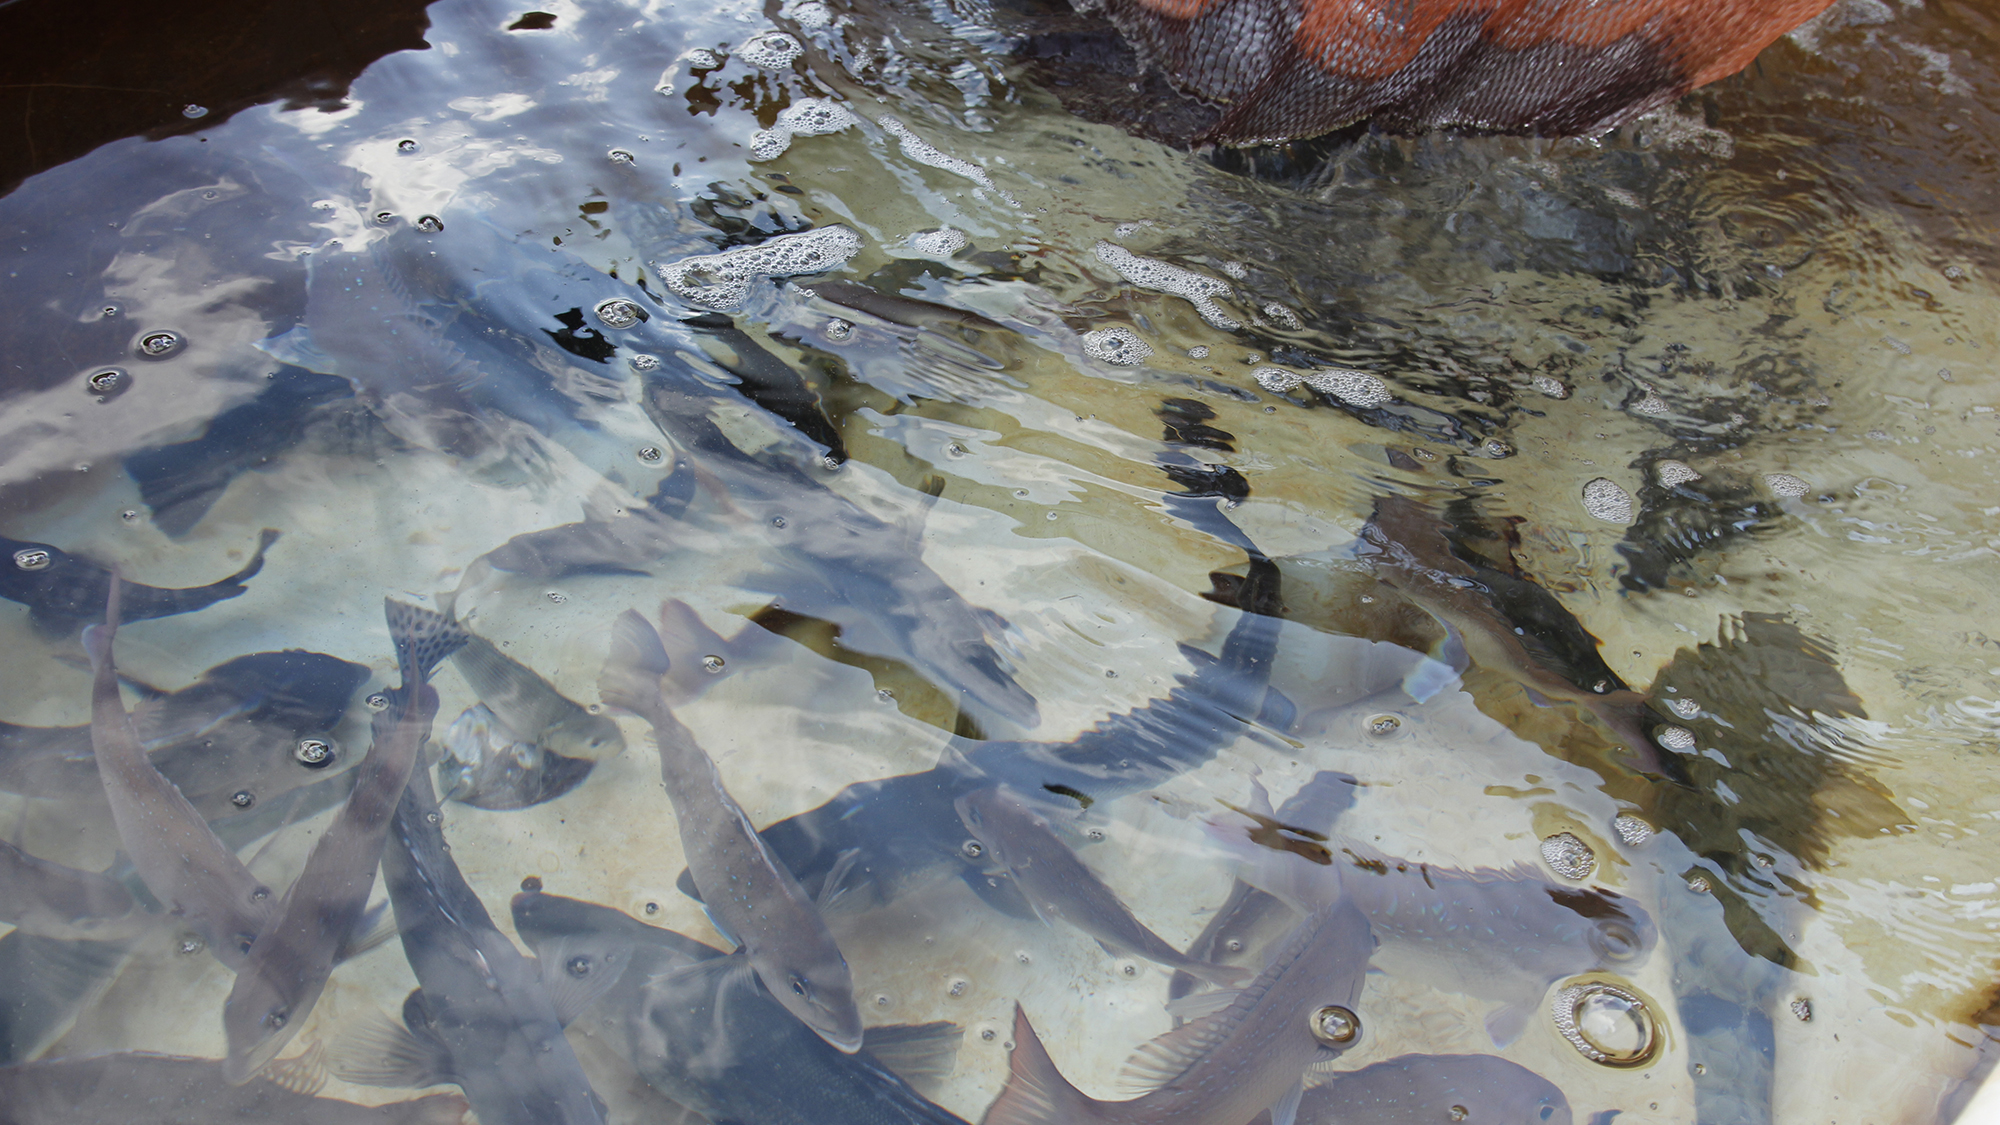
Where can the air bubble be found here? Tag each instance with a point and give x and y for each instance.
(619, 313)
(1802, 1008)
(1604, 500)
(579, 966)
(129, 515)
(33, 558)
(1785, 484)
(159, 345)
(556, 596)
(1023, 957)
(1632, 830)
(1199, 351)
(1568, 856)
(429, 224)
(1671, 473)
(1128, 969)
(378, 701)
(644, 362)
(406, 145)
(650, 908)
(723, 280)
(192, 111)
(884, 695)
(189, 945)
(778, 522)
(701, 58)
(1605, 1023)
(711, 664)
(1496, 449)
(988, 1034)
(838, 329)
(1550, 386)
(1699, 885)
(1459, 1113)
(1233, 945)
(242, 798)
(942, 243)
(1151, 273)
(1094, 835)
(957, 986)
(384, 218)
(1335, 1026)
(620, 156)
(1121, 346)
(1678, 739)
(650, 454)
(1382, 726)
(884, 1001)
(313, 753)
(972, 849)
(109, 382)
(773, 50)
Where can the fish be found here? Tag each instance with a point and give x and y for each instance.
(140, 1088)
(64, 591)
(1227, 1066)
(227, 741)
(482, 1015)
(322, 911)
(747, 891)
(698, 1028)
(486, 766)
(47, 983)
(1018, 840)
(192, 873)
(54, 901)
(531, 707)
(1425, 1089)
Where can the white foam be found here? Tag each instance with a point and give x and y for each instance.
(1355, 388)
(1671, 473)
(811, 15)
(1121, 346)
(938, 243)
(1785, 484)
(701, 58)
(773, 50)
(722, 281)
(769, 144)
(1283, 317)
(1603, 499)
(807, 117)
(1277, 380)
(1550, 386)
(923, 152)
(1197, 289)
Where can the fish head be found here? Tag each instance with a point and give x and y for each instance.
(587, 736)
(820, 992)
(258, 1020)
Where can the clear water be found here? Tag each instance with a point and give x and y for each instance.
(1781, 286)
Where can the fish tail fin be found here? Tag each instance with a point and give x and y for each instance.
(265, 538)
(424, 638)
(632, 669)
(1036, 1092)
(97, 638)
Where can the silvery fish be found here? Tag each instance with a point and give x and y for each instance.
(51, 900)
(699, 1029)
(1229, 1066)
(482, 1015)
(749, 894)
(228, 741)
(1018, 840)
(487, 766)
(147, 1089)
(1429, 1089)
(531, 707)
(322, 911)
(63, 591)
(175, 852)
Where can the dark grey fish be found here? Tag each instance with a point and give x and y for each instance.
(63, 591)
(1227, 1066)
(229, 741)
(1018, 840)
(192, 873)
(322, 911)
(482, 1016)
(51, 900)
(487, 766)
(700, 1029)
(1432, 1089)
(748, 892)
(147, 1089)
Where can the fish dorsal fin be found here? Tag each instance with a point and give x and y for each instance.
(1168, 1057)
(1196, 1005)
(579, 970)
(922, 1054)
(379, 1051)
(423, 639)
(1286, 1110)
(303, 1073)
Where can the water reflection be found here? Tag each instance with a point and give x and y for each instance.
(1623, 505)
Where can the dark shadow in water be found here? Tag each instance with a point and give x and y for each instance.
(81, 73)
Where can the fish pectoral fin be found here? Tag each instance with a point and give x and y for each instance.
(735, 943)
(1198, 1004)
(836, 879)
(922, 1054)
(1507, 1023)
(579, 970)
(380, 1051)
(1169, 1056)
(1286, 1110)
(375, 927)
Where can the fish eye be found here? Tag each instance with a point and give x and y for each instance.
(1548, 1111)
(799, 986)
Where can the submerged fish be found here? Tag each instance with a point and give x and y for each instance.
(1228, 1066)
(63, 591)
(531, 707)
(487, 766)
(146, 1089)
(751, 895)
(698, 1027)
(229, 741)
(1018, 840)
(1427, 1089)
(321, 913)
(175, 852)
(51, 900)
(482, 1015)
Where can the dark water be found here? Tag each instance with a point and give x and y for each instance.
(1626, 501)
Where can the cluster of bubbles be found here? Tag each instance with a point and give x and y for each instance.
(1785, 484)
(1605, 500)
(619, 313)
(1198, 290)
(773, 50)
(923, 152)
(1568, 856)
(1550, 386)
(1605, 1023)
(1355, 388)
(1671, 473)
(722, 281)
(1632, 830)
(941, 243)
(807, 117)
(1121, 346)
(1678, 739)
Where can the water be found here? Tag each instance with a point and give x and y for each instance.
(1713, 391)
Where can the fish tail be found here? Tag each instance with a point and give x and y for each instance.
(97, 638)
(1036, 1092)
(423, 639)
(632, 669)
